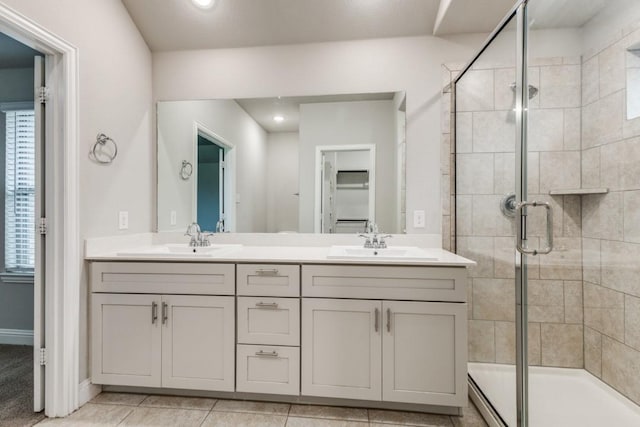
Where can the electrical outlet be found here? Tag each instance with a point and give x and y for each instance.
(418, 219)
(174, 218)
(123, 220)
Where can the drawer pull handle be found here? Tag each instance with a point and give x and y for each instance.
(376, 322)
(388, 320)
(272, 305)
(154, 313)
(267, 272)
(165, 312)
(267, 353)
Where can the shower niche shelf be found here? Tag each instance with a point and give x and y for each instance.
(578, 191)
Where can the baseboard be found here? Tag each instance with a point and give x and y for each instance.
(87, 391)
(16, 337)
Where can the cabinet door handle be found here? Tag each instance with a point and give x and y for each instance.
(376, 319)
(262, 353)
(388, 320)
(267, 304)
(165, 312)
(154, 312)
(267, 272)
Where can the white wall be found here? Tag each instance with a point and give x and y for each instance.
(346, 123)
(282, 181)
(411, 64)
(115, 98)
(176, 143)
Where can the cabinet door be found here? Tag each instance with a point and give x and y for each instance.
(425, 353)
(198, 342)
(341, 348)
(126, 340)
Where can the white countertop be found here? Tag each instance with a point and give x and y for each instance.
(284, 254)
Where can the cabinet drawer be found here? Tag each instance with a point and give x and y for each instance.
(163, 278)
(274, 321)
(278, 280)
(385, 282)
(268, 369)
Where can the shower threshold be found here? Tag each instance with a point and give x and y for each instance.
(558, 397)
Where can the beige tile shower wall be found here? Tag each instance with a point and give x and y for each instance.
(611, 222)
(485, 162)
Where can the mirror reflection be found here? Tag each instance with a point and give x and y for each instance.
(313, 164)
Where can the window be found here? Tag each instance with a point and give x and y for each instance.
(19, 202)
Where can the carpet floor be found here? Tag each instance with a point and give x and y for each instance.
(16, 387)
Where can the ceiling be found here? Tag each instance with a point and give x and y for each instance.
(179, 25)
(470, 16)
(14, 54)
(262, 110)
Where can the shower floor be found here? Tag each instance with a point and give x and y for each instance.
(558, 397)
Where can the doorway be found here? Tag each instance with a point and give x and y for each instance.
(345, 188)
(214, 191)
(22, 260)
(210, 185)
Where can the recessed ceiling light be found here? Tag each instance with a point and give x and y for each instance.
(204, 4)
(278, 119)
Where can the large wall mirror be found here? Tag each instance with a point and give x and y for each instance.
(312, 164)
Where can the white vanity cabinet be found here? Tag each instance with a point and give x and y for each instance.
(268, 351)
(371, 349)
(162, 340)
(383, 334)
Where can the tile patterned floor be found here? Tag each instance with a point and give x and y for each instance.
(124, 409)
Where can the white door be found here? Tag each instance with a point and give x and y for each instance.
(198, 342)
(39, 263)
(126, 338)
(424, 352)
(341, 348)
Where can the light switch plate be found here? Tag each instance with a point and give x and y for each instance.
(418, 219)
(123, 220)
(173, 217)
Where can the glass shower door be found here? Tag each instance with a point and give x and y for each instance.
(487, 126)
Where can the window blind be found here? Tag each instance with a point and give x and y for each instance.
(19, 205)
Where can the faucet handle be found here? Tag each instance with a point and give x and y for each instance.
(204, 238)
(382, 244)
(367, 243)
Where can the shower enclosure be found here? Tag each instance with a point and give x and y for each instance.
(541, 168)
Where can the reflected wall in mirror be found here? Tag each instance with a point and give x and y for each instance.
(324, 164)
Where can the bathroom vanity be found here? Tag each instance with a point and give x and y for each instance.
(284, 324)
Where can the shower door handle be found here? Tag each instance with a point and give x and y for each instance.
(519, 229)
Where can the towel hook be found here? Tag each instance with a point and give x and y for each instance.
(99, 154)
(186, 170)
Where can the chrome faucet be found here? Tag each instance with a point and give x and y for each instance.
(373, 239)
(193, 231)
(199, 238)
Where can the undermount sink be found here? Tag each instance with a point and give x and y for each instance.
(390, 253)
(180, 250)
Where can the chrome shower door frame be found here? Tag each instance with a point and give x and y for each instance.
(519, 11)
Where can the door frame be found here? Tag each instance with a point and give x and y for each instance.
(229, 172)
(320, 149)
(63, 256)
